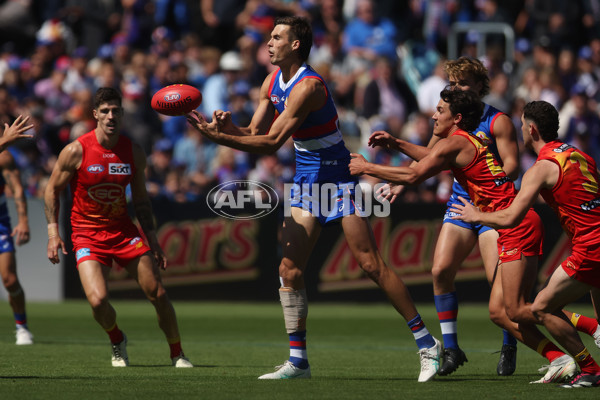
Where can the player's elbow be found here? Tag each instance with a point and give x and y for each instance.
(414, 179)
(271, 146)
(511, 220)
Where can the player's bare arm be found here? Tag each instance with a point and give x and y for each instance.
(440, 158)
(16, 131)
(506, 142)
(68, 162)
(543, 175)
(386, 140)
(307, 96)
(143, 206)
(12, 176)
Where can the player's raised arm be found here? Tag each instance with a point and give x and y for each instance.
(306, 96)
(15, 131)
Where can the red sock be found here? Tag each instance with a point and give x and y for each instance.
(549, 350)
(584, 324)
(175, 346)
(115, 334)
(587, 363)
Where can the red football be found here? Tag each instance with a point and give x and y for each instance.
(176, 99)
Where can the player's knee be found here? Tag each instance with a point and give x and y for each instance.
(289, 272)
(97, 302)
(156, 293)
(497, 315)
(372, 269)
(441, 273)
(11, 283)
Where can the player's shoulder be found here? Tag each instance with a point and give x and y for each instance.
(72, 152)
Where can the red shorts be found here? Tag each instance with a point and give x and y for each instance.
(525, 239)
(579, 265)
(121, 244)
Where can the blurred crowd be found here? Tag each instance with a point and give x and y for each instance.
(382, 59)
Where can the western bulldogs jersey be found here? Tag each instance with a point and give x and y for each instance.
(318, 141)
(98, 186)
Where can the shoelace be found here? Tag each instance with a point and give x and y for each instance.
(117, 351)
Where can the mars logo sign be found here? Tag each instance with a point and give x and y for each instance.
(242, 199)
(106, 193)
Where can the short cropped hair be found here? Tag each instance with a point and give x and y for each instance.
(545, 116)
(301, 30)
(105, 95)
(472, 67)
(465, 103)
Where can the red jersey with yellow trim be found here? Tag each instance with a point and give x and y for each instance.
(575, 197)
(487, 184)
(98, 186)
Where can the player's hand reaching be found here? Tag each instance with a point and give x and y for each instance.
(223, 119)
(209, 130)
(466, 211)
(15, 131)
(390, 192)
(357, 164)
(382, 139)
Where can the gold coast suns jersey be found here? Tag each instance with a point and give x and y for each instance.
(486, 183)
(99, 185)
(575, 197)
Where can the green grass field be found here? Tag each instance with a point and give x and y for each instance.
(356, 351)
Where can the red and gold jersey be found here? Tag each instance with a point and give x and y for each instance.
(98, 186)
(575, 197)
(487, 184)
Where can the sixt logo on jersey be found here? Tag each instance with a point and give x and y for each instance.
(119, 169)
(95, 169)
(171, 97)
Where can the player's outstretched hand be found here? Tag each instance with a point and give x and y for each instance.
(390, 192)
(209, 130)
(15, 132)
(465, 212)
(381, 139)
(357, 164)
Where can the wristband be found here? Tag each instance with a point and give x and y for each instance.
(52, 230)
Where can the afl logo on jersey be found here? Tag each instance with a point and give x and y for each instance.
(119, 169)
(106, 193)
(274, 99)
(95, 169)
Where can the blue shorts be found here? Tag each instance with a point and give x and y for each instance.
(477, 228)
(7, 245)
(328, 194)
